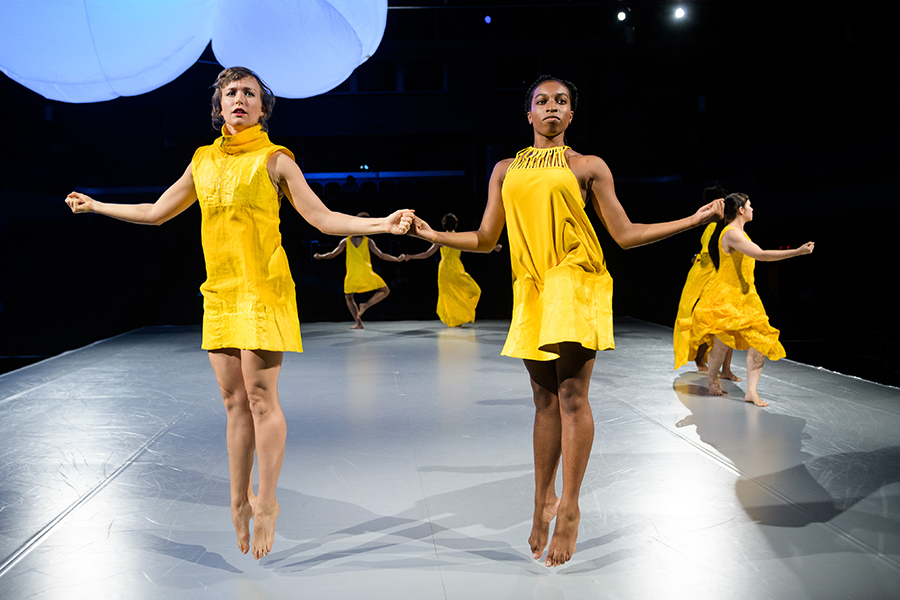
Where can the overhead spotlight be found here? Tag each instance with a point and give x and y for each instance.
(487, 19)
(623, 15)
(679, 13)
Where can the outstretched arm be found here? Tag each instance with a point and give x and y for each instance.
(333, 253)
(173, 202)
(601, 190)
(290, 179)
(431, 250)
(734, 240)
(484, 239)
(382, 255)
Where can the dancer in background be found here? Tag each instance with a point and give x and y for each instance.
(458, 293)
(702, 272)
(249, 303)
(562, 293)
(360, 276)
(730, 313)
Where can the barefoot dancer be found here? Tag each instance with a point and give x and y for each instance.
(360, 276)
(562, 292)
(458, 294)
(249, 302)
(730, 313)
(702, 272)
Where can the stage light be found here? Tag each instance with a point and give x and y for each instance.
(679, 13)
(621, 16)
(95, 50)
(487, 19)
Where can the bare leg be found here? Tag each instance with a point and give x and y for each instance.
(379, 295)
(576, 437)
(716, 358)
(241, 439)
(726, 367)
(547, 449)
(354, 312)
(261, 369)
(755, 362)
(700, 359)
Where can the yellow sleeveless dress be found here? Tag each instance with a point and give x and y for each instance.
(562, 291)
(458, 293)
(701, 274)
(249, 300)
(730, 309)
(360, 276)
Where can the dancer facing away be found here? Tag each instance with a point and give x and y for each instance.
(458, 294)
(249, 303)
(702, 272)
(562, 293)
(730, 313)
(360, 276)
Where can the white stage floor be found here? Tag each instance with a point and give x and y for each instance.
(408, 474)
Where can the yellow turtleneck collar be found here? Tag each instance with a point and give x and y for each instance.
(248, 140)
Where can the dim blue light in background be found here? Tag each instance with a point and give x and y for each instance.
(487, 19)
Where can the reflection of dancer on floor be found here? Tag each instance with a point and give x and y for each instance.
(360, 276)
(730, 313)
(702, 272)
(249, 302)
(562, 292)
(458, 293)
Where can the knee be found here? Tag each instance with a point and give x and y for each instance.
(261, 400)
(573, 401)
(234, 400)
(545, 400)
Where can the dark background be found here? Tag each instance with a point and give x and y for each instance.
(788, 103)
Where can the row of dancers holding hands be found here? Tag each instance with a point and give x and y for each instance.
(562, 291)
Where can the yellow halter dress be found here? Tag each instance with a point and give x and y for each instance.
(249, 299)
(458, 293)
(562, 291)
(360, 275)
(730, 309)
(701, 274)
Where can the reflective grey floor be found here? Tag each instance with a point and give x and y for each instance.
(408, 475)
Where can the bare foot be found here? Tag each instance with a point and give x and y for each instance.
(362, 308)
(240, 516)
(715, 389)
(540, 526)
(264, 530)
(731, 376)
(357, 325)
(702, 368)
(562, 546)
(755, 399)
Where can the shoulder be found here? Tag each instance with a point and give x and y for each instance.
(502, 167)
(587, 163)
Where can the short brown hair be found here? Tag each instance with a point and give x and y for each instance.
(236, 74)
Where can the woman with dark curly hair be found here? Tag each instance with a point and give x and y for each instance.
(562, 293)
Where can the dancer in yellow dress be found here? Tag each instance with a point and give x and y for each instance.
(702, 272)
(249, 302)
(458, 294)
(360, 277)
(730, 313)
(562, 293)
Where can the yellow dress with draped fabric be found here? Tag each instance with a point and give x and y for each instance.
(458, 293)
(249, 299)
(701, 274)
(730, 309)
(360, 276)
(562, 291)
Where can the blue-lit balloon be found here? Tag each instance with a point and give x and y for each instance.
(95, 50)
